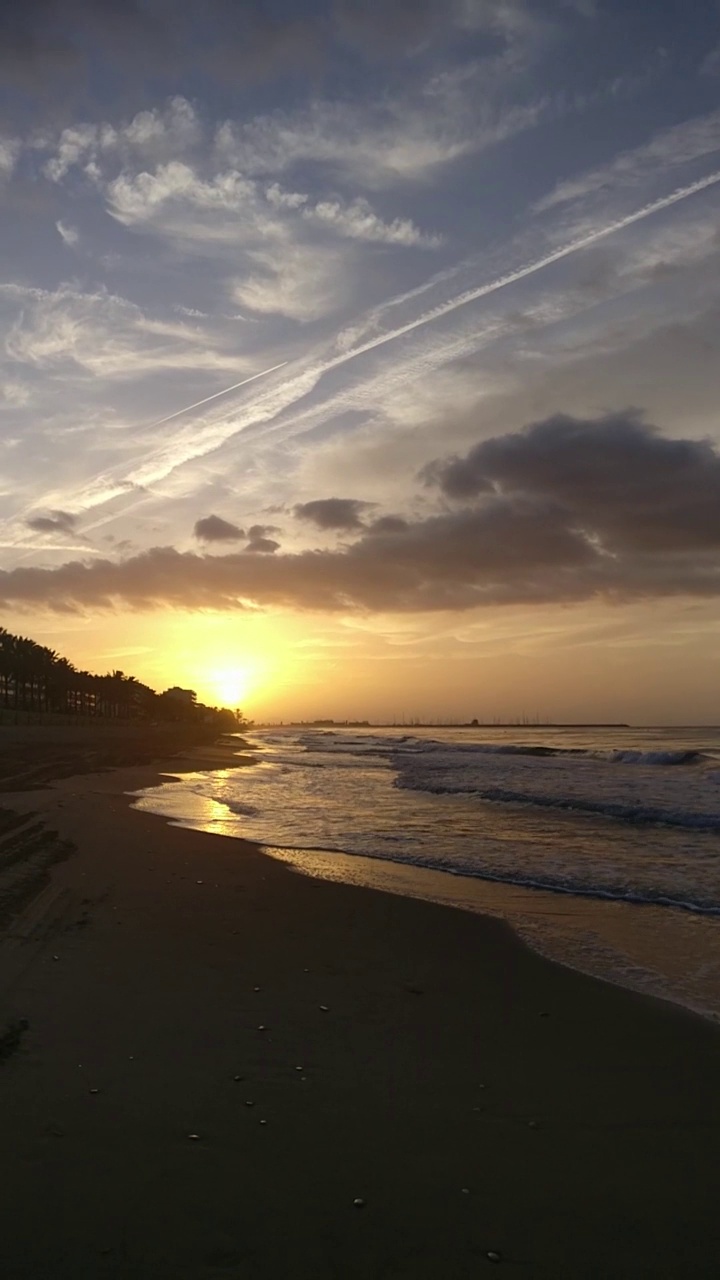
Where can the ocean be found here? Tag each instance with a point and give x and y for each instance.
(600, 846)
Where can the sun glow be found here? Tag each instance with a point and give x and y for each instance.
(232, 686)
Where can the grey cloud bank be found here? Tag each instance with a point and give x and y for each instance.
(565, 511)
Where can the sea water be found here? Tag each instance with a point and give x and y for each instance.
(600, 846)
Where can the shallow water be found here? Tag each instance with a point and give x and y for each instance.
(602, 847)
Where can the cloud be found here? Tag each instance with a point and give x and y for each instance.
(377, 144)
(333, 513)
(215, 529)
(300, 281)
(358, 221)
(176, 201)
(174, 128)
(15, 394)
(268, 235)
(9, 151)
(66, 330)
(667, 150)
(149, 136)
(615, 477)
(69, 235)
(257, 531)
(55, 522)
(262, 546)
(388, 524)
(567, 510)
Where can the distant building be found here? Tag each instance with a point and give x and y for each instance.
(187, 697)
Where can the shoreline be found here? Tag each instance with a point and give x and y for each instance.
(478, 1097)
(658, 950)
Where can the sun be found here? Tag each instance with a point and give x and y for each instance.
(232, 685)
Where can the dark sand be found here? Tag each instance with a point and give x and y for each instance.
(475, 1097)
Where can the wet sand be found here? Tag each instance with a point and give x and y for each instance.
(476, 1098)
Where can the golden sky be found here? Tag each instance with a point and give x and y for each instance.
(366, 363)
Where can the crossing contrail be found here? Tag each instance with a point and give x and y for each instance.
(473, 295)
(300, 384)
(520, 273)
(226, 391)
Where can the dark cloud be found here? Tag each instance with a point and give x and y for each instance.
(564, 511)
(215, 529)
(388, 524)
(262, 546)
(615, 476)
(333, 513)
(55, 522)
(261, 531)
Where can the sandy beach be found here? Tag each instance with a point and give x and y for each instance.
(211, 1065)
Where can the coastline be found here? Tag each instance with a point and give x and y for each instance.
(479, 1098)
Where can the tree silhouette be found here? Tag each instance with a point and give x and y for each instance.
(34, 678)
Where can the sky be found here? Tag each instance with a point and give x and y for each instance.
(361, 359)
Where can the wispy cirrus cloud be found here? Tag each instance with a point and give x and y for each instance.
(70, 236)
(300, 281)
(375, 146)
(102, 334)
(177, 202)
(9, 151)
(667, 150)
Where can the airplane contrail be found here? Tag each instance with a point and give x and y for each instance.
(520, 273)
(226, 391)
(472, 295)
(299, 385)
